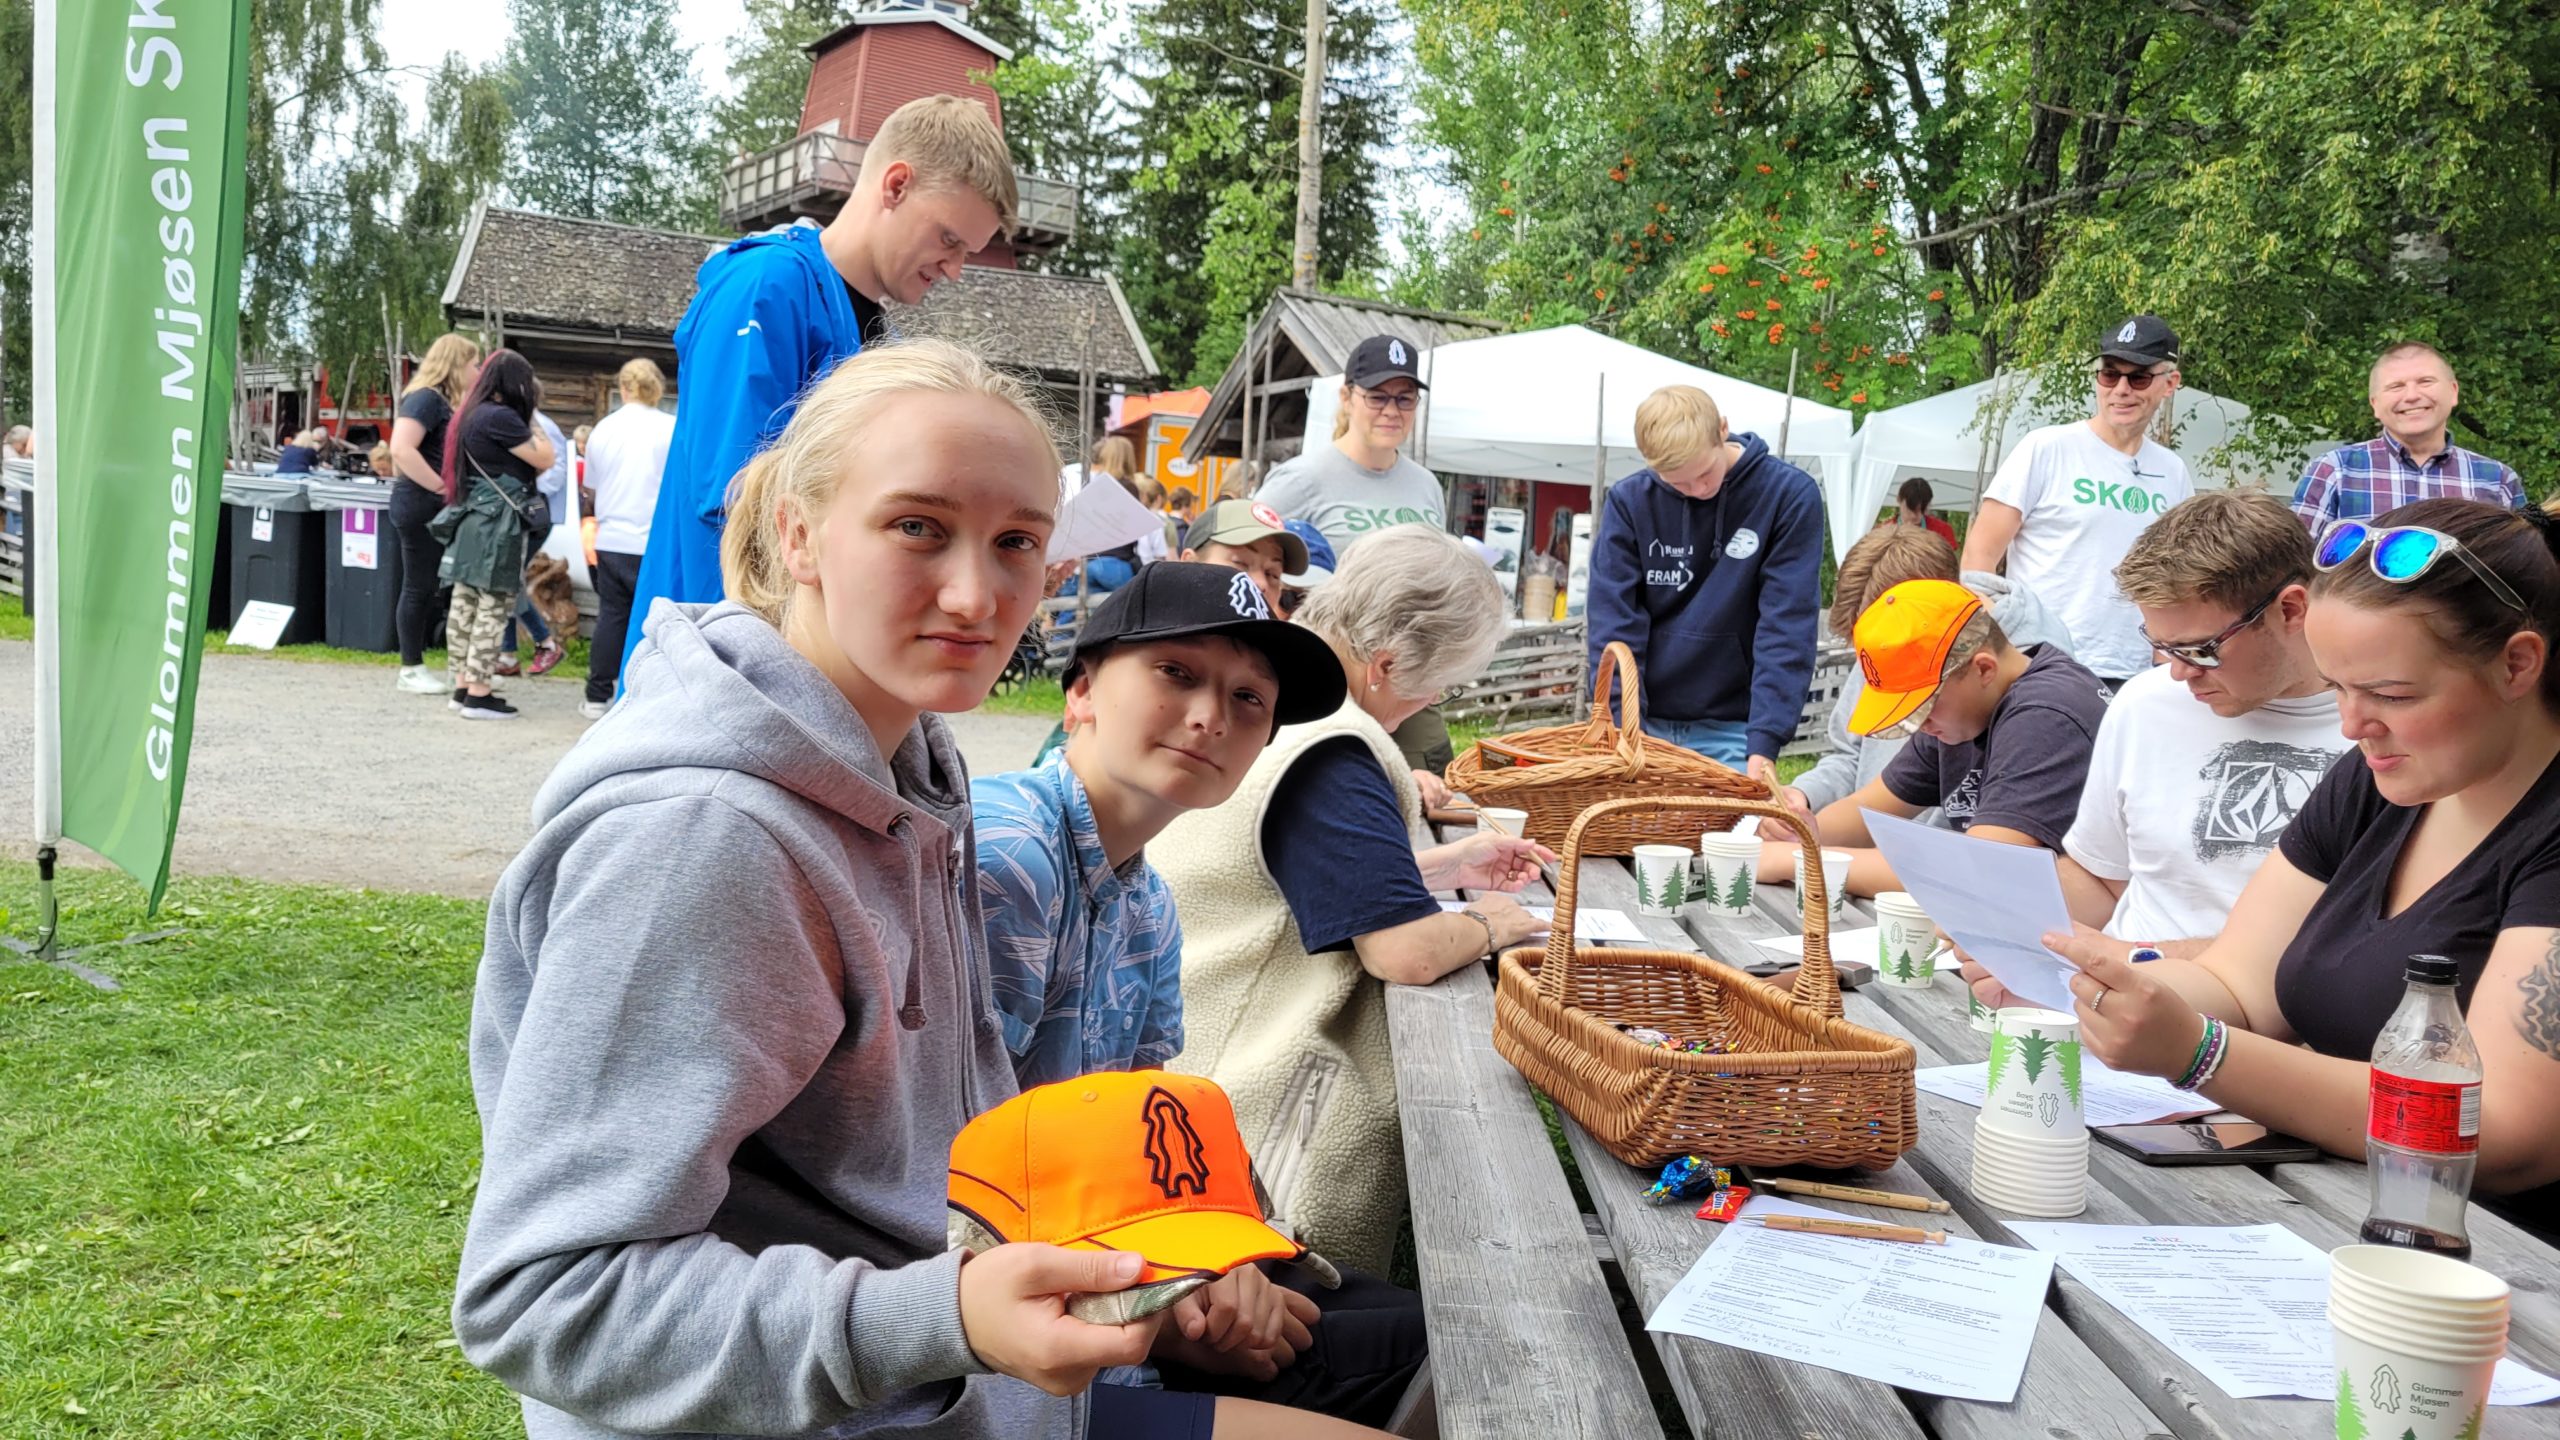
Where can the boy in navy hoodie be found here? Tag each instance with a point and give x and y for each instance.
(1708, 566)
(776, 311)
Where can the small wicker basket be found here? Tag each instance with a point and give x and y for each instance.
(1557, 772)
(1792, 1082)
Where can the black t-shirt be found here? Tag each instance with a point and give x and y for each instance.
(489, 435)
(1334, 840)
(868, 318)
(2025, 770)
(427, 407)
(2341, 977)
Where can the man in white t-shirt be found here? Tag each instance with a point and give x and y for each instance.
(626, 461)
(2201, 763)
(2070, 500)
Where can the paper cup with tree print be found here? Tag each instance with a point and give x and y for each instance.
(1662, 879)
(1732, 866)
(1906, 943)
(2034, 1076)
(2417, 1337)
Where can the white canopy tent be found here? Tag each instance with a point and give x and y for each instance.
(1553, 404)
(1957, 440)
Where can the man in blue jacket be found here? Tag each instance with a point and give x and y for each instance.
(776, 310)
(1708, 566)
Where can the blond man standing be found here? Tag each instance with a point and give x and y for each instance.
(777, 310)
(1708, 566)
(2414, 458)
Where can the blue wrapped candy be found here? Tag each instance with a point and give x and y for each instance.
(1688, 1176)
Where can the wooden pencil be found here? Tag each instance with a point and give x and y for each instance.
(1856, 1229)
(1856, 1193)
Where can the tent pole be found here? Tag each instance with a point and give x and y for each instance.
(1424, 445)
(1787, 417)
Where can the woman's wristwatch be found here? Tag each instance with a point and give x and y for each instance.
(1484, 920)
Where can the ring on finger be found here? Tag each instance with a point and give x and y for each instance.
(2098, 1001)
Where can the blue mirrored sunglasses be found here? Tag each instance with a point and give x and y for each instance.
(2402, 553)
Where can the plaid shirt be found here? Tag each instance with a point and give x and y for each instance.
(1086, 960)
(2358, 482)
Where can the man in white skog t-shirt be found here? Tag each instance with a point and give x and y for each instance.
(2070, 500)
(2201, 762)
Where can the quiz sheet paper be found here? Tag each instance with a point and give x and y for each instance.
(1997, 901)
(1953, 1319)
(1590, 925)
(2107, 1097)
(2247, 1306)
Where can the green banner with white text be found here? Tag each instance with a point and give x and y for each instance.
(138, 281)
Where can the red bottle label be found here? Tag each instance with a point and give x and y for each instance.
(2434, 1115)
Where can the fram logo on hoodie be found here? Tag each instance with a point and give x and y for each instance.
(1668, 564)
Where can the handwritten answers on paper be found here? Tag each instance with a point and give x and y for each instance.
(2247, 1306)
(1953, 1319)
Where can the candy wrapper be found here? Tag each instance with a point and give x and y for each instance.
(1725, 1204)
(1685, 1177)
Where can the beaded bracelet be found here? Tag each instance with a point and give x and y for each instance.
(2208, 1056)
(2221, 1052)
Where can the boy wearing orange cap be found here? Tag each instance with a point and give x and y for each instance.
(2000, 737)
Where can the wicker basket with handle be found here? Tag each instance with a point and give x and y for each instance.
(1793, 1084)
(1557, 772)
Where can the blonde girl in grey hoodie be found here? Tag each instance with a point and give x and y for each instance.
(733, 1007)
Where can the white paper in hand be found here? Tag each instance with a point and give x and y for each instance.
(1100, 517)
(1994, 900)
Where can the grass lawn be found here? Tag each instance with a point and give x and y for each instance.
(242, 1181)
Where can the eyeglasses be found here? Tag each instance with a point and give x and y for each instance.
(2402, 553)
(2207, 654)
(2134, 380)
(1381, 402)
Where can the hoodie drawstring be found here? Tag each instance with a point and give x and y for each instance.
(911, 1013)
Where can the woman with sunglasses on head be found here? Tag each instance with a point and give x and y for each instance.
(2439, 834)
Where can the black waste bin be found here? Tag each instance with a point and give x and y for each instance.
(363, 563)
(276, 552)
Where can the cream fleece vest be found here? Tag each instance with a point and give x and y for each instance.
(1298, 1041)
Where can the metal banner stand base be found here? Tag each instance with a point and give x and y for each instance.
(44, 949)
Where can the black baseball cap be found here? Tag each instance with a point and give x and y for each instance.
(1382, 358)
(1177, 599)
(2141, 340)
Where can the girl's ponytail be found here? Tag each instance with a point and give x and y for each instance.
(751, 565)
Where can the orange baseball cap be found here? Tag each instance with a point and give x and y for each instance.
(1144, 1161)
(1903, 641)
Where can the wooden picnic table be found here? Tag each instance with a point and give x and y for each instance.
(1524, 1348)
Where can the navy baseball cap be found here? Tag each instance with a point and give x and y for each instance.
(1382, 358)
(1177, 599)
(2141, 340)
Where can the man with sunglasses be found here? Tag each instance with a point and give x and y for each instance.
(2204, 760)
(2070, 500)
(2414, 458)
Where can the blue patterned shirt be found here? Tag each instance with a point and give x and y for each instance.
(1087, 960)
(2358, 482)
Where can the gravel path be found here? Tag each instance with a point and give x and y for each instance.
(322, 773)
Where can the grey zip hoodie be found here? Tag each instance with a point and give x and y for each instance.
(731, 1013)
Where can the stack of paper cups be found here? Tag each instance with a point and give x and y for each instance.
(1905, 942)
(1492, 821)
(1732, 864)
(1835, 877)
(2417, 1337)
(2031, 1141)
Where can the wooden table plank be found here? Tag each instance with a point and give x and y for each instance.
(2066, 1390)
(1525, 1339)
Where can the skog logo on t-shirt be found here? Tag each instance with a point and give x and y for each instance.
(2131, 499)
(1360, 522)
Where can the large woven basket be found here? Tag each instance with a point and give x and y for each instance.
(1560, 771)
(1795, 1084)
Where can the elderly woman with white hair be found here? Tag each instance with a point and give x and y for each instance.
(1309, 892)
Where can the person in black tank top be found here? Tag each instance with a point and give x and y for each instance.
(2439, 833)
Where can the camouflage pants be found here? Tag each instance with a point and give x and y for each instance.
(472, 631)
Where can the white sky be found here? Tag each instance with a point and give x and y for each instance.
(423, 32)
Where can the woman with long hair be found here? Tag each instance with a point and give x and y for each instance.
(492, 469)
(417, 459)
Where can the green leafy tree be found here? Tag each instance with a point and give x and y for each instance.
(1061, 118)
(609, 121)
(1208, 204)
(769, 72)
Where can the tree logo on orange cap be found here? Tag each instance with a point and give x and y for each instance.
(1177, 1162)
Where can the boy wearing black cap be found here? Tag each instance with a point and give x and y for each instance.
(1179, 681)
(1362, 482)
(2070, 500)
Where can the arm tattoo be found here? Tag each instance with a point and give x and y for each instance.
(2539, 1021)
